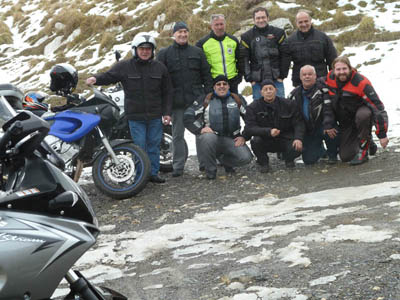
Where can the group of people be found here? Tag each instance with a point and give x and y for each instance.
(196, 87)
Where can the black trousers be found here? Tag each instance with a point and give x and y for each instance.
(262, 146)
(354, 133)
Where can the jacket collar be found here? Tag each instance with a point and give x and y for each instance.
(176, 45)
(305, 35)
(218, 38)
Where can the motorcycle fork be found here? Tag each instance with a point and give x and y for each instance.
(80, 286)
(108, 147)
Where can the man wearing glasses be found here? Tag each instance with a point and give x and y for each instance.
(222, 52)
(215, 120)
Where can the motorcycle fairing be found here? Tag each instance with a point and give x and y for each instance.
(37, 251)
(70, 126)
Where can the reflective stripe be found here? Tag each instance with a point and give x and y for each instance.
(236, 132)
(327, 101)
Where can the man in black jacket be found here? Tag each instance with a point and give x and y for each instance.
(147, 87)
(275, 125)
(263, 51)
(191, 78)
(309, 46)
(215, 120)
(309, 98)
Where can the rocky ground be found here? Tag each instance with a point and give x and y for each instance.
(342, 268)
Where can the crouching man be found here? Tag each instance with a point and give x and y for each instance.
(310, 97)
(215, 120)
(355, 105)
(275, 125)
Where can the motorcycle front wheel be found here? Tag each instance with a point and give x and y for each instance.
(127, 178)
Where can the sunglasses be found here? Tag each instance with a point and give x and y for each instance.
(222, 83)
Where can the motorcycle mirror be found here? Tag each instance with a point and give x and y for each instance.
(65, 200)
(117, 55)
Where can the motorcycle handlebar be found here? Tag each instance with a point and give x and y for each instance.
(14, 128)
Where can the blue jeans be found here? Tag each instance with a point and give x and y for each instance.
(257, 90)
(147, 135)
(313, 149)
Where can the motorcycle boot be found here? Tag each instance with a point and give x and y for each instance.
(362, 155)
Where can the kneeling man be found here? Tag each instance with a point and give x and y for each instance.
(275, 125)
(215, 120)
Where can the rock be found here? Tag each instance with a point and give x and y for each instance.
(246, 275)
(283, 23)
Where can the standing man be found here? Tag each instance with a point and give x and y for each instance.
(356, 107)
(191, 78)
(275, 125)
(215, 120)
(222, 52)
(264, 52)
(309, 98)
(309, 46)
(147, 87)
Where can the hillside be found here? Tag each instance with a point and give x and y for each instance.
(36, 34)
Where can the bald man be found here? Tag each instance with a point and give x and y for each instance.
(309, 46)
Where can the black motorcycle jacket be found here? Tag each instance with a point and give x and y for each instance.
(281, 114)
(147, 87)
(313, 48)
(189, 71)
(317, 94)
(263, 52)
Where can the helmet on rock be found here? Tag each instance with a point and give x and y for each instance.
(64, 79)
(33, 101)
(142, 39)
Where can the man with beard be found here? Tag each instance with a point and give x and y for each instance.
(275, 125)
(263, 51)
(222, 52)
(309, 46)
(191, 78)
(355, 105)
(310, 97)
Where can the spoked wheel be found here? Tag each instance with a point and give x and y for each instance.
(166, 153)
(127, 178)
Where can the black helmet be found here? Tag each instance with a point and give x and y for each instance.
(64, 79)
(13, 95)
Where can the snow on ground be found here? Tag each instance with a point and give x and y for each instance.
(185, 240)
(216, 232)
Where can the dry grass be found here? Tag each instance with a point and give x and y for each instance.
(5, 34)
(107, 42)
(340, 20)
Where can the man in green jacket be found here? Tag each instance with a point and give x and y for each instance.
(222, 52)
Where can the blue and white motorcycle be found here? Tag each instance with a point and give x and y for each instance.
(120, 169)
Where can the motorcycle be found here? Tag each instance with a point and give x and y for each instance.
(121, 128)
(46, 220)
(120, 169)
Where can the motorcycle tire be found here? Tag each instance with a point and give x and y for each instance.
(125, 180)
(166, 150)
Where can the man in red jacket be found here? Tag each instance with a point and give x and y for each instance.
(355, 105)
